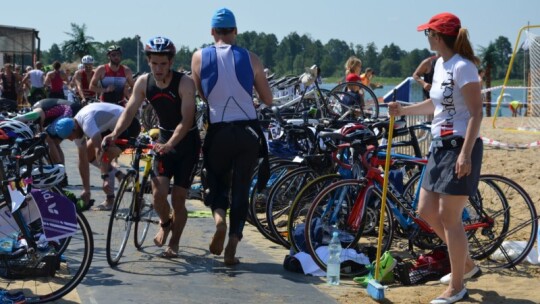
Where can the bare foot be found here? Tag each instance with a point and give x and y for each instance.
(170, 253)
(216, 245)
(229, 257)
(163, 233)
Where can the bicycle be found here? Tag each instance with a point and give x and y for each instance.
(133, 203)
(285, 206)
(54, 241)
(486, 217)
(325, 104)
(365, 103)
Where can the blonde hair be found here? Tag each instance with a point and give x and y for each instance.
(461, 45)
(351, 64)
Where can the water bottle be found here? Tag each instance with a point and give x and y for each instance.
(334, 260)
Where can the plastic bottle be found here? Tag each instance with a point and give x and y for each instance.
(333, 265)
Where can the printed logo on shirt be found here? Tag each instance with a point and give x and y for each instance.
(447, 128)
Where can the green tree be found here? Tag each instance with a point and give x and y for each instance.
(336, 53)
(390, 68)
(79, 45)
(390, 55)
(410, 62)
(286, 53)
(54, 54)
(371, 57)
(183, 58)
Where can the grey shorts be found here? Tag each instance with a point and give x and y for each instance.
(440, 176)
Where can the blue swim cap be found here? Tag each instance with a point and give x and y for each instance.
(223, 18)
(64, 127)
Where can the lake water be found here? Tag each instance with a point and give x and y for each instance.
(509, 95)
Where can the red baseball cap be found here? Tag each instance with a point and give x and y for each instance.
(444, 23)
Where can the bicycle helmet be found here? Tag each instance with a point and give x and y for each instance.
(80, 66)
(64, 127)
(15, 129)
(52, 175)
(87, 60)
(159, 45)
(114, 48)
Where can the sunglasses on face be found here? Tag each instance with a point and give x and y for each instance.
(429, 33)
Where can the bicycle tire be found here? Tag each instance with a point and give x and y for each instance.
(259, 199)
(78, 251)
(273, 161)
(514, 243)
(301, 205)
(145, 215)
(346, 193)
(280, 199)
(370, 100)
(121, 219)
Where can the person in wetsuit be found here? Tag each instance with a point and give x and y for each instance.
(225, 76)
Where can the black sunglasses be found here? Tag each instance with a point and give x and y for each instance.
(429, 33)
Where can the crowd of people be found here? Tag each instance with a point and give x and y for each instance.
(226, 77)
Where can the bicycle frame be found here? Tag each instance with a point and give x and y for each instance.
(395, 200)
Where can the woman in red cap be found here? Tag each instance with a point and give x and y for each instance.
(455, 156)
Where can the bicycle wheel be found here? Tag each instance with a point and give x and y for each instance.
(146, 215)
(368, 102)
(300, 206)
(334, 210)
(273, 162)
(280, 199)
(68, 270)
(512, 236)
(121, 219)
(259, 199)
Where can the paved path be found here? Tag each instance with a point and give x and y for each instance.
(195, 277)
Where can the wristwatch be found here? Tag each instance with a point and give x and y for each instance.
(104, 176)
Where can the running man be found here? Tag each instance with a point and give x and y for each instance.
(87, 130)
(172, 95)
(225, 76)
(110, 79)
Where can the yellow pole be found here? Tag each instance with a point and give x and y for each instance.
(385, 190)
(509, 70)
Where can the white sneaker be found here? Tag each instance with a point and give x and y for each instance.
(463, 294)
(474, 273)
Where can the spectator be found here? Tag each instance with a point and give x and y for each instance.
(455, 158)
(424, 74)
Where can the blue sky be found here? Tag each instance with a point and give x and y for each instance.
(188, 22)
